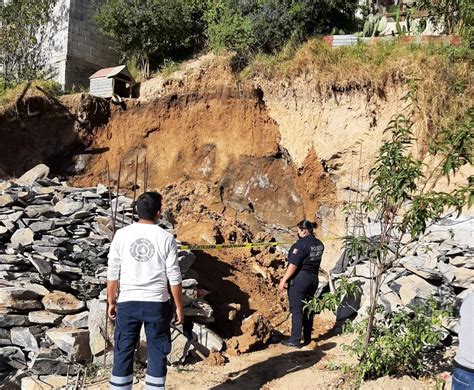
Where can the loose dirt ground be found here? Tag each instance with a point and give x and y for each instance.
(278, 368)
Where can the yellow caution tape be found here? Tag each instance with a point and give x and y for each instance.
(245, 245)
(225, 246)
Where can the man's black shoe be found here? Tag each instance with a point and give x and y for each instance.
(289, 343)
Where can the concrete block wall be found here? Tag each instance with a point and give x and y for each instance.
(85, 43)
(78, 49)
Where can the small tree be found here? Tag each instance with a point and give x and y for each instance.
(402, 196)
(26, 28)
(151, 31)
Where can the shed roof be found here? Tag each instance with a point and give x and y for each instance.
(113, 72)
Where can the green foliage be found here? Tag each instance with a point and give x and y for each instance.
(399, 340)
(455, 16)
(152, 30)
(26, 27)
(253, 26)
(227, 28)
(396, 171)
(401, 198)
(331, 301)
(456, 145)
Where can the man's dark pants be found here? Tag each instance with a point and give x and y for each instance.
(302, 287)
(156, 317)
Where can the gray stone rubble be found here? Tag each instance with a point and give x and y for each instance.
(439, 265)
(54, 241)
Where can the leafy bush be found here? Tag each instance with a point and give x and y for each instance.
(27, 27)
(152, 30)
(227, 28)
(251, 26)
(332, 300)
(399, 341)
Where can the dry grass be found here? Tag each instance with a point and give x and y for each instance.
(8, 97)
(442, 74)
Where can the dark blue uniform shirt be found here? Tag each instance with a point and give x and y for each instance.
(306, 254)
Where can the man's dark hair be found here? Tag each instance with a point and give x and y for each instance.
(148, 204)
(307, 225)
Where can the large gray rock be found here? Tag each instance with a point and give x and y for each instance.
(38, 172)
(11, 259)
(462, 261)
(97, 326)
(44, 317)
(49, 361)
(67, 206)
(42, 265)
(42, 226)
(463, 277)
(5, 338)
(412, 287)
(62, 303)
(37, 288)
(24, 338)
(13, 356)
(422, 265)
(34, 211)
(207, 338)
(19, 299)
(447, 271)
(75, 342)
(78, 321)
(22, 237)
(8, 320)
(6, 200)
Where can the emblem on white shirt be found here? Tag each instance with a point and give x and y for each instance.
(142, 250)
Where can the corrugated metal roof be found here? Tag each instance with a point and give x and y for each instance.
(111, 72)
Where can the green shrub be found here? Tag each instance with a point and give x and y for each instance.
(252, 26)
(399, 341)
(332, 300)
(227, 28)
(152, 30)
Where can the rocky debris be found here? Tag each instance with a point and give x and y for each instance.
(75, 342)
(54, 241)
(44, 317)
(19, 299)
(62, 303)
(436, 266)
(215, 359)
(22, 237)
(38, 172)
(256, 333)
(78, 321)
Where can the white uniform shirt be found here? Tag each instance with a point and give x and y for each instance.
(144, 257)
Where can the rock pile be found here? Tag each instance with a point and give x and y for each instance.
(54, 241)
(439, 265)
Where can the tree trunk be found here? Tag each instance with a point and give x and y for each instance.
(373, 308)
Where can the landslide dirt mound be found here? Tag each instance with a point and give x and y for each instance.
(216, 131)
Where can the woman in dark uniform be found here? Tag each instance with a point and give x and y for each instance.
(304, 260)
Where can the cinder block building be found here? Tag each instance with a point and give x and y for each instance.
(78, 49)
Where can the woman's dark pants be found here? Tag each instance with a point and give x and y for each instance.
(302, 287)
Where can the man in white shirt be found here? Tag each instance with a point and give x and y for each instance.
(144, 259)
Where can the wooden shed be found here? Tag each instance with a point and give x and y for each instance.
(112, 81)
